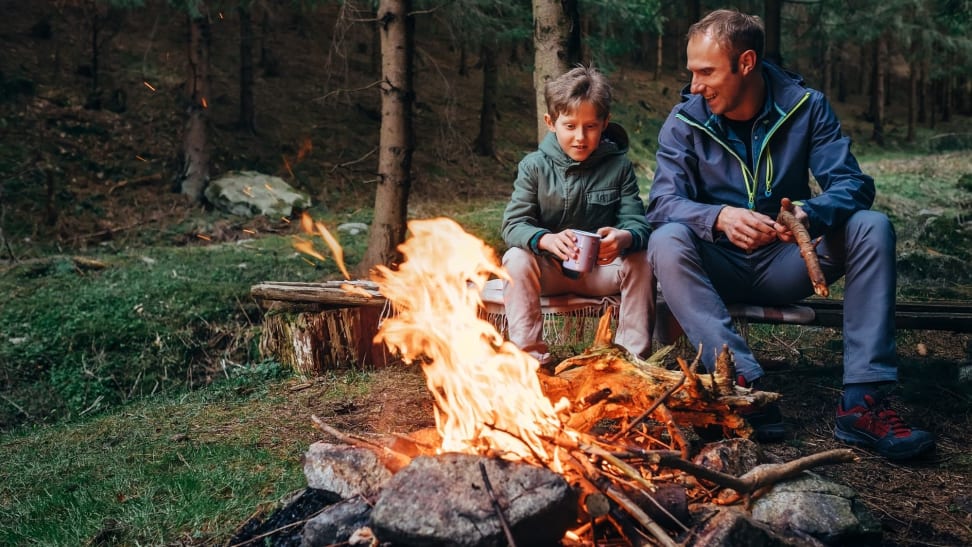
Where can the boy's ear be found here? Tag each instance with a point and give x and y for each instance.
(549, 121)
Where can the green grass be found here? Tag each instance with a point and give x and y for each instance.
(162, 470)
(77, 341)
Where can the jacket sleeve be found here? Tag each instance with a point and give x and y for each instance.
(674, 195)
(521, 219)
(845, 188)
(631, 211)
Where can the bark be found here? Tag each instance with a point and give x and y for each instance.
(396, 141)
(877, 96)
(486, 140)
(195, 153)
(807, 248)
(550, 32)
(247, 116)
(773, 10)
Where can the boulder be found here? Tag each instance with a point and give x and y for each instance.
(249, 193)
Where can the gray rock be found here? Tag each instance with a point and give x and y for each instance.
(442, 500)
(337, 523)
(730, 526)
(344, 470)
(249, 193)
(817, 507)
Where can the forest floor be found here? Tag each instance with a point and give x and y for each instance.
(80, 180)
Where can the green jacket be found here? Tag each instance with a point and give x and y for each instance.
(553, 192)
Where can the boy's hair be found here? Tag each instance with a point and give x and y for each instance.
(582, 84)
(735, 32)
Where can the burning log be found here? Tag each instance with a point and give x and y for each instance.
(621, 383)
(808, 249)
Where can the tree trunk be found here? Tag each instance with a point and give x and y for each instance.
(877, 96)
(550, 32)
(485, 144)
(659, 58)
(773, 11)
(195, 153)
(912, 93)
(827, 73)
(396, 142)
(247, 120)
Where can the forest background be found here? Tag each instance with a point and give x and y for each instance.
(128, 340)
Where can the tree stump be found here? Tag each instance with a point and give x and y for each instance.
(316, 327)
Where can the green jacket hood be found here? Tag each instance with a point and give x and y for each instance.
(614, 142)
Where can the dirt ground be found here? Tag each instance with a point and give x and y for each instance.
(89, 185)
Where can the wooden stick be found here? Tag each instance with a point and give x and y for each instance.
(391, 459)
(808, 250)
(496, 505)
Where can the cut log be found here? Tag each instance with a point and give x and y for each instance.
(314, 342)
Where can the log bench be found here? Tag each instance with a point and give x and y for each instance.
(315, 327)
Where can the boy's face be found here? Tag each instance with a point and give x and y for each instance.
(578, 132)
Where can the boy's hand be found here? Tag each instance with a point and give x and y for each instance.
(613, 241)
(562, 244)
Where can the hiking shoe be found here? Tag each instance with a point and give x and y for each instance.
(877, 427)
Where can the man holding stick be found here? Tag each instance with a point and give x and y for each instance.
(744, 138)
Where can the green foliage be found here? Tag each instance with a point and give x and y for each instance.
(155, 320)
(152, 475)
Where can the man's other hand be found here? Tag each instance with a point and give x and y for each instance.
(747, 229)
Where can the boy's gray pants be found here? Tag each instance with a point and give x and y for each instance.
(534, 276)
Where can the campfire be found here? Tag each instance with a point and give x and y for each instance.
(613, 432)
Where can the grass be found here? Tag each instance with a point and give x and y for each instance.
(163, 469)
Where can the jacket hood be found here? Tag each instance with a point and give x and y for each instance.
(614, 142)
(786, 89)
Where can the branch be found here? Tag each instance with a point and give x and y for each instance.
(808, 250)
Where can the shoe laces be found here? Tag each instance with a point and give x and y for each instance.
(888, 415)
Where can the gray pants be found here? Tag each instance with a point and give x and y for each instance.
(699, 278)
(535, 276)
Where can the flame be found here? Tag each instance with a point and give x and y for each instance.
(488, 397)
(307, 247)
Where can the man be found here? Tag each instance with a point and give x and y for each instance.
(745, 136)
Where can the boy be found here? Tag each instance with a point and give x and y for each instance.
(578, 179)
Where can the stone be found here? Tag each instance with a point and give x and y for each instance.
(249, 193)
(337, 523)
(344, 470)
(727, 526)
(825, 510)
(442, 500)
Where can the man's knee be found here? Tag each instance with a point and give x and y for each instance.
(871, 228)
(669, 240)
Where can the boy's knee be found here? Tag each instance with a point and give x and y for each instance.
(517, 261)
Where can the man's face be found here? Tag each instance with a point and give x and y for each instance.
(712, 76)
(578, 132)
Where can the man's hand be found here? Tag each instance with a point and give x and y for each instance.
(784, 233)
(747, 229)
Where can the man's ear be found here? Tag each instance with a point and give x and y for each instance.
(747, 62)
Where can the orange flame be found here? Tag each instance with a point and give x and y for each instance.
(307, 247)
(488, 398)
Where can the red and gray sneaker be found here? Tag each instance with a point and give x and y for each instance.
(876, 426)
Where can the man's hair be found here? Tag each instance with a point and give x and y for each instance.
(735, 32)
(565, 93)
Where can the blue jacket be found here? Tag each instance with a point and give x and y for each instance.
(701, 165)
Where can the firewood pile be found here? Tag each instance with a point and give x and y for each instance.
(626, 448)
(612, 430)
